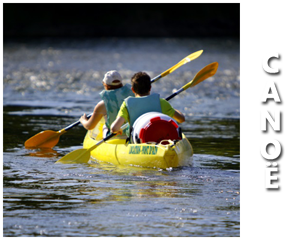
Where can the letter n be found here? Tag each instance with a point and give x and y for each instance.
(275, 123)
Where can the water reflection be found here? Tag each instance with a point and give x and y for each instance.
(43, 153)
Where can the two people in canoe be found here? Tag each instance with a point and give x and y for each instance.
(124, 103)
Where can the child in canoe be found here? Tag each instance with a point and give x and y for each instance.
(143, 102)
(112, 96)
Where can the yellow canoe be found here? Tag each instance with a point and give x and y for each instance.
(164, 155)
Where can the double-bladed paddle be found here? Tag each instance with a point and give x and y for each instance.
(49, 138)
(83, 155)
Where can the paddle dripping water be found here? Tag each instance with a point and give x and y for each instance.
(49, 85)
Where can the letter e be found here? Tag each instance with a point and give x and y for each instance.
(269, 178)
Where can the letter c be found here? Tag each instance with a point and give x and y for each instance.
(266, 66)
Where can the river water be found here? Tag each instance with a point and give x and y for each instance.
(48, 84)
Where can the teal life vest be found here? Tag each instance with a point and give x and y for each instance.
(113, 100)
(136, 107)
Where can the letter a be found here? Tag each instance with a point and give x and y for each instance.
(273, 95)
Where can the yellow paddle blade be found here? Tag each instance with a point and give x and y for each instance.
(45, 139)
(187, 59)
(203, 74)
(77, 156)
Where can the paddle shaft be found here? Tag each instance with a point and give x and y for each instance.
(174, 94)
(107, 137)
(186, 86)
(76, 123)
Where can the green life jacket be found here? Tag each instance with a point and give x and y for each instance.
(113, 100)
(136, 107)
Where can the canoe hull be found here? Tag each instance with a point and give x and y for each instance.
(163, 155)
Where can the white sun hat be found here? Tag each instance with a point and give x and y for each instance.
(112, 78)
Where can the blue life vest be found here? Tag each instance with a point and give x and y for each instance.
(113, 100)
(136, 107)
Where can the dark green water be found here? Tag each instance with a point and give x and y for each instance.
(48, 85)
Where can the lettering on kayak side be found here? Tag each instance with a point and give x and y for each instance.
(145, 150)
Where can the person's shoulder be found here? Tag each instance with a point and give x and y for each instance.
(100, 106)
(164, 101)
(100, 103)
(128, 98)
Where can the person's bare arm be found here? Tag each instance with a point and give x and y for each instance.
(178, 116)
(117, 124)
(99, 112)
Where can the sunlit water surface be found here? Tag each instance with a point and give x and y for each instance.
(47, 85)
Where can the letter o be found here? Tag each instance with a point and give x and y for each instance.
(265, 154)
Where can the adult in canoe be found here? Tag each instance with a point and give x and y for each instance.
(133, 107)
(112, 96)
